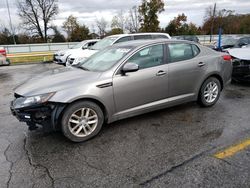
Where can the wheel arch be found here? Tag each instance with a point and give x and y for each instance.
(56, 118)
(98, 102)
(216, 75)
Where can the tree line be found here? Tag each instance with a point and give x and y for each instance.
(37, 17)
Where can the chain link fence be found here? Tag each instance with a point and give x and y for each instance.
(51, 47)
(40, 47)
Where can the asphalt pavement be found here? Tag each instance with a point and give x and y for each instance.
(174, 147)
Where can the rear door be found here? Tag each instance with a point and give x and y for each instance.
(186, 69)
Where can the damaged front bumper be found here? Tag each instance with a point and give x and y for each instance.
(241, 70)
(45, 114)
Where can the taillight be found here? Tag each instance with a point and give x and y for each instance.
(227, 57)
(3, 52)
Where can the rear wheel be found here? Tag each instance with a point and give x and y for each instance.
(209, 92)
(82, 121)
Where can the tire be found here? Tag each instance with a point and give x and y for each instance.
(74, 117)
(208, 97)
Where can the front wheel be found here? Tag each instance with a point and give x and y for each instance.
(209, 92)
(82, 120)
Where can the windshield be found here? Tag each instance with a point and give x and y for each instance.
(104, 60)
(78, 45)
(103, 43)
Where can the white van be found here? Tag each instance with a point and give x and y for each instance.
(79, 56)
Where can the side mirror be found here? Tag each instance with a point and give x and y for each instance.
(84, 47)
(130, 67)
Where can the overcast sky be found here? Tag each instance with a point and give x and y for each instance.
(88, 10)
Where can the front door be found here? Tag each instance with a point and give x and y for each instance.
(149, 84)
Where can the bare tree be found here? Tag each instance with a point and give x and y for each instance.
(102, 26)
(132, 21)
(69, 25)
(118, 21)
(37, 15)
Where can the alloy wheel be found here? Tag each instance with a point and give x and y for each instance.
(211, 92)
(83, 122)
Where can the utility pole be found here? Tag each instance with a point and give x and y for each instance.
(11, 27)
(212, 25)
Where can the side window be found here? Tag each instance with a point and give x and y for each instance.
(196, 50)
(124, 39)
(148, 57)
(159, 37)
(142, 37)
(91, 44)
(248, 40)
(180, 52)
(243, 41)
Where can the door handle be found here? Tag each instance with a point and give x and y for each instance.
(201, 64)
(161, 73)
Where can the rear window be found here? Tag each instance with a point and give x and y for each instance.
(181, 52)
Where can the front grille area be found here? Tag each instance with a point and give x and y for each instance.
(237, 62)
(71, 60)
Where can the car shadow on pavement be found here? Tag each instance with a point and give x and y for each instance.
(181, 113)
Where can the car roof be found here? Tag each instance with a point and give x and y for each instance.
(138, 43)
(90, 40)
(135, 34)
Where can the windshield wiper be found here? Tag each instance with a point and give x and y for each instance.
(80, 67)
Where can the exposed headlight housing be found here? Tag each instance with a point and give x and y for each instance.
(32, 100)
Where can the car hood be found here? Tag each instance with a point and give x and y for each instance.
(56, 80)
(68, 51)
(83, 53)
(60, 52)
(240, 53)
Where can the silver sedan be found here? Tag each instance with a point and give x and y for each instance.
(121, 81)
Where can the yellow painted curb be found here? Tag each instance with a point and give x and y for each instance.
(232, 150)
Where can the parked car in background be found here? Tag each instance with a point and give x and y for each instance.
(4, 60)
(3, 51)
(110, 40)
(232, 42)
(61, 56)
(121, 81)
(241, 63)
(187, 37)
